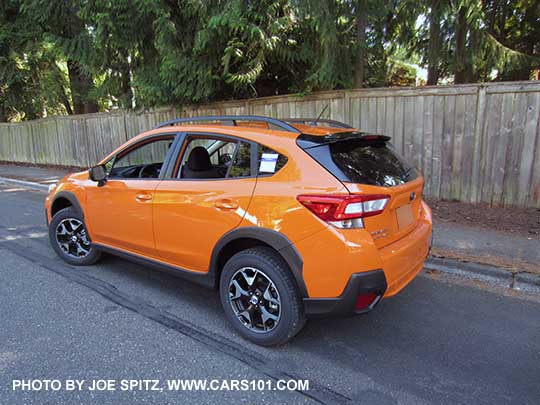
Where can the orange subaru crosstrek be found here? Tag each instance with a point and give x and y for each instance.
(287, 218)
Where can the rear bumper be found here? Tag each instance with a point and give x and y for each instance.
(404, 259)
(359, 284)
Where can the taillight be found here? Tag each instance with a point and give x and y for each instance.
(344, 210)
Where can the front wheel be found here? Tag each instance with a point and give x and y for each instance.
(70, 240)
(260, 297)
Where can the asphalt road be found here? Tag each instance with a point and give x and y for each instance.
(440, 341)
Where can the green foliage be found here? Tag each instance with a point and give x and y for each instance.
(63, 57)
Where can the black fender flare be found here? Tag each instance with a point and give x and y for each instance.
(274, 239)
(72, 198)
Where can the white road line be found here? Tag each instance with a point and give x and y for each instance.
(30, 184)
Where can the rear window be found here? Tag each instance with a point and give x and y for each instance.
(364, 162)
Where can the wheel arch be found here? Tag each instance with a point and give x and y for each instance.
(64, 199)
(247, 237)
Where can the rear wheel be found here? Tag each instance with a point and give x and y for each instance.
(260, 297)
(70, 240)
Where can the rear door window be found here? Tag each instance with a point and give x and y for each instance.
(208, 157)
(241, 162)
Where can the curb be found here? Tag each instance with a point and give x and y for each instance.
(31, 184)
(490, 274)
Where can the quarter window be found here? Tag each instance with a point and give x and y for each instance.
(269, 161)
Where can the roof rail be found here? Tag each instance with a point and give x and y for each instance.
(232, 121)
(312, 122)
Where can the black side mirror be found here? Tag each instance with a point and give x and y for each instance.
(98, 173)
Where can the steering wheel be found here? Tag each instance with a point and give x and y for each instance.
(225, 158)
(149, 171)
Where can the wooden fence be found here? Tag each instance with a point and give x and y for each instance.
(474, 143)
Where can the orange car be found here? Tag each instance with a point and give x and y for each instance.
(287, 218)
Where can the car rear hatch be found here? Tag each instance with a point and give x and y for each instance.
(373, 171)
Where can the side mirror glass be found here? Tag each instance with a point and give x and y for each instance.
(98, 173)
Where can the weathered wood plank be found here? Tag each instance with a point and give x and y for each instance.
(381, 115)
(355, 113)
(534, 197)
(427, 145)
(457, 146)
(479, 132)
(446, 151)
(515, 147)
(408, 127)
(417, 133)
(465, 172)
(5, 142)
(490, 136)
(398, 136)
(501, 148)
(530, 140)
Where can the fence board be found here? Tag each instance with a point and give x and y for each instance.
(447, 146)
(474, 142)
(491, 137)
(469, 154)
(501, 147)
(457, 145)
(398, 135)
(427, 149)
(530, 140)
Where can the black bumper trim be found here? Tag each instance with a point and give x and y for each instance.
(360, 283)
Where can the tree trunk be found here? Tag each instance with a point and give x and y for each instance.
(81, 84)
(65, 101)
(434, 43)
(126, 99)
(460, 62)
(361, 22)
(3, 115)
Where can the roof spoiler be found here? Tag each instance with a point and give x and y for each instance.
(306, 141)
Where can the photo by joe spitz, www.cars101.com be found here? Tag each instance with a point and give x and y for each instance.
(286, 218)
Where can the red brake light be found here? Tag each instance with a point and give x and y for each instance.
(339, 207)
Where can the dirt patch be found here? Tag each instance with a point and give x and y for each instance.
(519, 221)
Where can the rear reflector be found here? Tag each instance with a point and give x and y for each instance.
(340, 207)
(365, 300)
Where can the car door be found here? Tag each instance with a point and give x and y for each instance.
(205, 200)
(120, 210)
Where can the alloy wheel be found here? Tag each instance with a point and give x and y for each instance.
(72, 238)
(255, 300)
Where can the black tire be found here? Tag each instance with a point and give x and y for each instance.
(63, 217)
(275, 270)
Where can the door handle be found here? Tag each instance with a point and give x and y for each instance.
(226, 204)
(143, 197)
